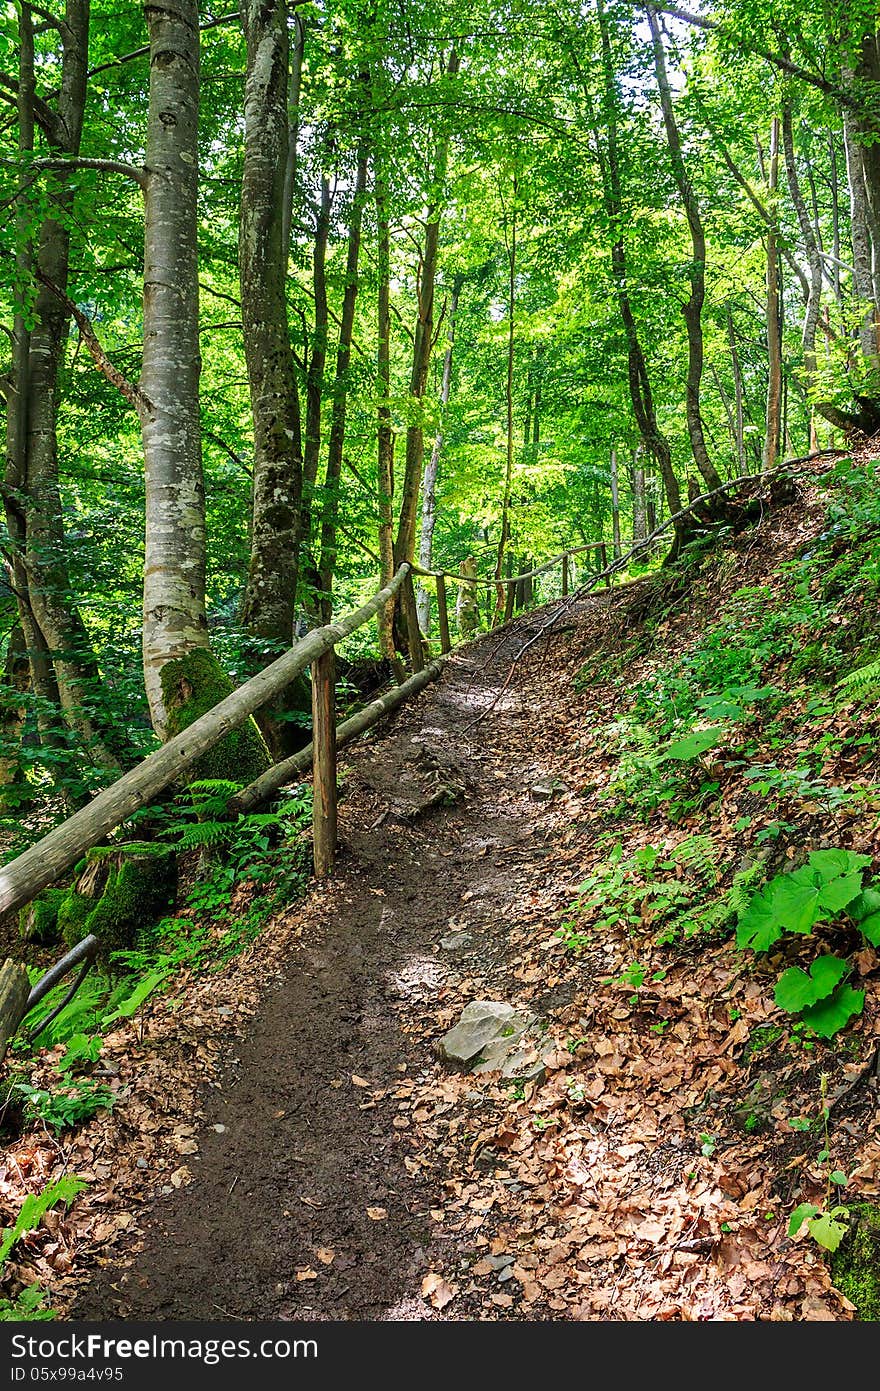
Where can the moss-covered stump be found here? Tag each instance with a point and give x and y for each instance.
(119, 891)
(38, 920)
(855, 1265)
(193, 685)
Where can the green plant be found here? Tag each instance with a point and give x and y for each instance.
(29, 1304)
(827, 887)
(826, 1223)
(67, 1106)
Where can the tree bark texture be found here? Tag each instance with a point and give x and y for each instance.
(432, 469)
(270, 594)
(174, 561)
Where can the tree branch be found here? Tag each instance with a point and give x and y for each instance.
(132, 393)
(109, 166)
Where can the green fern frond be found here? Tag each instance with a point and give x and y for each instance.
(861, 681)
(205, 833)
(219, 785)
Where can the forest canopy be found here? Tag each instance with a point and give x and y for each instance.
(295, 294)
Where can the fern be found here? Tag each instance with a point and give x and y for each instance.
(204, 833)
(698, 853)
(863, 681)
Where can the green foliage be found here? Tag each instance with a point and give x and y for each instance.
(826, 1228)
(35, 1205)
(65, 1106)
(827, 887)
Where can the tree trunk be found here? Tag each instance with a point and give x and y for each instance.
(384, 429)
(811, 247)
(639, 514)
(693, 309)
(404, 544)
(270, 594)
(615, 503)
(315, 379)
(429, 486)
(641, 395)
(510, 244)
(863, 279)
(340, 391)
(174, 562)
(773, 432)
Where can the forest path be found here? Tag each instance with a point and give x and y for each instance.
(307, 1141)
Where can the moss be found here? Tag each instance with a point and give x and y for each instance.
(855, 1265)
(193, 685)
(72, 916)
(38, 921)
(121, 892)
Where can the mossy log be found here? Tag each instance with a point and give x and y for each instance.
(855, 1265)
(38, 921)
(14, 990)
(120, 890)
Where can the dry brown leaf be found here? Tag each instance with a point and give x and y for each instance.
(435, 1289)
(377, 1214)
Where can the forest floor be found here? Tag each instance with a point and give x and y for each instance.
(288, 1144)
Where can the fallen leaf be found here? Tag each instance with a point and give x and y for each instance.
(378, 1214)
(435, 1289)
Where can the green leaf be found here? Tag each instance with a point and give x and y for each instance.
(870, 929)
(133, 1001)
(838, 1177)
(759, 927)
(683, 750)
(827, 1230)
(829, 1016)
(795, 900)
(796, 990)
(803, 1213)
(830, 864)
(865, 906)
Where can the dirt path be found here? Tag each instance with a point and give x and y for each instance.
(303, 1148)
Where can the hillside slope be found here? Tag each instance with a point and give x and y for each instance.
(573, 828)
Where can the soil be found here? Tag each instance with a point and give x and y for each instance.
(293, 1155)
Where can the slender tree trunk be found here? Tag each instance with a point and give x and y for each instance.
(640, 391)
(738, 393)
(270, 594)
(811, 248)
(174, 564)
(429, 486)
(773, 431)
(340, 391)
(315, 391)
(384, 428)
(638, 497)
(863, 278)
(510, 243)
(294, 90)
(404, 544)
(693, 309)
(615, 503)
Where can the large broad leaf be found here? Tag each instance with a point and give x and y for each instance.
(695, 744)
(796, 990)
(830, 864)
(759, 925)
(865, 912)
(829, 1016)
(795, 902)
(802, 1213)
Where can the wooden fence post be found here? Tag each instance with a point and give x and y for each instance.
(324, 766)
(413, 631)
(443, 615)
(564, 575)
